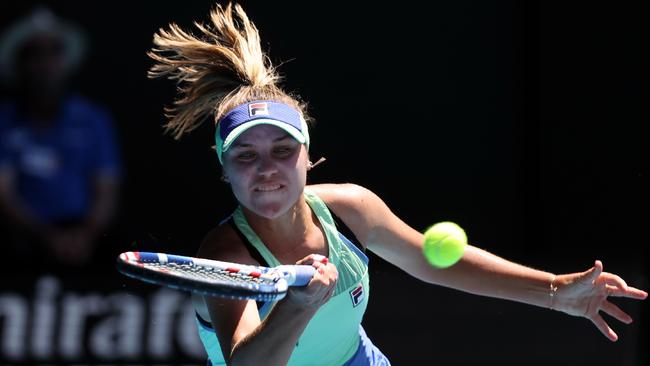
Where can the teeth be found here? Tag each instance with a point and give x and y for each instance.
(268, 188)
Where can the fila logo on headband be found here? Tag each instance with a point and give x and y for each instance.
(357, 295)
(258, 109)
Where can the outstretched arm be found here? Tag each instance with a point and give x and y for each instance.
(478, 272)
(582, 294)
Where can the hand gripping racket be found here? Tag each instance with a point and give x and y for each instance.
(214, 278)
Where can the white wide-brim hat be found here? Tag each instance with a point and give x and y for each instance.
(40, 21)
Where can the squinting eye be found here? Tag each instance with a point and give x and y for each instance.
(283, 150)
(246, 156)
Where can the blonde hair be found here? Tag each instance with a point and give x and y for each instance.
(216, 72)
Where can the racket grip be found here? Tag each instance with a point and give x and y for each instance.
(297, 275)
(304, 274)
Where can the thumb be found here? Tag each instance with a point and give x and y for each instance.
(592, 274)
(313, 258)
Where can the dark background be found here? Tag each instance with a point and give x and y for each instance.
(520, 121)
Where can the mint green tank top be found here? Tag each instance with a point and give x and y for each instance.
(332, 336)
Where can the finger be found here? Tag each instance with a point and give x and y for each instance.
(313, 258)
(319, 258)
(603, 327)
(630, 292)
(616, 312)
(306, 261)
(329, 270)
(614, 280)
(320, 267)
(592, 274)
(635, 293)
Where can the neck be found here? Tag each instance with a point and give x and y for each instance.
(289, 235)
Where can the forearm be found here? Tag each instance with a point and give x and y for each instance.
(477, 272)
(273, 341)
(483, 273)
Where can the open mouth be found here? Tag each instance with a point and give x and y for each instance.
(268, 187)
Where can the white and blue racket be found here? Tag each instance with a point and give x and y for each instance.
(214, 278)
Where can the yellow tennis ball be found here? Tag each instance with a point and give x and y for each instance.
(444, 244)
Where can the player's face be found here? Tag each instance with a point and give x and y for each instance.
(267, 170)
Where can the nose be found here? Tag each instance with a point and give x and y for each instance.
(266, 166)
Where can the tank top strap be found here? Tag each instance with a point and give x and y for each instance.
(351, 267)
(242, 224)
(255, 254)
(327, 222)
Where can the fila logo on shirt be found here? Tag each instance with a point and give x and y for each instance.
(258, 109)
(357, 295)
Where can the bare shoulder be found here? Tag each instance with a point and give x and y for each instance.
(222, 243)
(360, 208)
(343, 196)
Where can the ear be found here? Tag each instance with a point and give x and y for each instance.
(224, 178)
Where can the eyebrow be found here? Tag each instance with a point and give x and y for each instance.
(281, 138)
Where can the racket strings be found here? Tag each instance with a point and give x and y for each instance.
(210, 273)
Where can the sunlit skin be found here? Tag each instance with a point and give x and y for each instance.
(267, 170)
(267, 173)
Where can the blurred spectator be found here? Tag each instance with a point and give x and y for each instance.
(59, 162)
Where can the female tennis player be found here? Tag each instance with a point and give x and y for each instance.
(262, 142)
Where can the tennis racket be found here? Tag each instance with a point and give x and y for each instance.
(214, 278)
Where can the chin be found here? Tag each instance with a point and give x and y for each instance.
(271, 211)
(274, 207)
(270, 205)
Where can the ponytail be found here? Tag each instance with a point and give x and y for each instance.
(216, 71)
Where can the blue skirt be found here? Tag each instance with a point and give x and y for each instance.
(367, 354)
